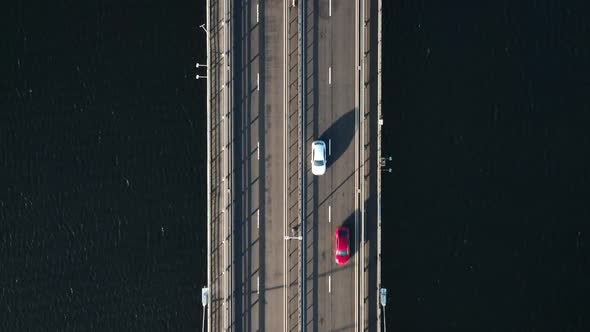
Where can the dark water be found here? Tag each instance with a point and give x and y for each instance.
(102, 152)
(102, 206)
(487, 110)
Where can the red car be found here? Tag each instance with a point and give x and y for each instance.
(341, 245)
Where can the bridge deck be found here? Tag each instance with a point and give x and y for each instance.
(254, 167)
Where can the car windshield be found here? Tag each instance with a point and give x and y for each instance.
(341, 252)
(318, 163)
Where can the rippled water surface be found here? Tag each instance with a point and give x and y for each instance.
(102, 203)
(487, 110)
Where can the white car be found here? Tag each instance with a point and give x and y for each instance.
(318, 157)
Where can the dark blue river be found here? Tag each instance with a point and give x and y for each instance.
(102, 151)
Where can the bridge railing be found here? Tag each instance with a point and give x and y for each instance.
(218, 165)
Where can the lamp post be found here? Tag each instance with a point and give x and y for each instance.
(204, 302)
(383, 301)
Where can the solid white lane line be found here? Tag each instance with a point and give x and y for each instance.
(329, 213)
(330, 75)
(257, 14)
(330, 6)
(258, 284)
(258, 81)
(361, 106)
(258, 219)
(258, 150)
(285, 167)
(329, 284)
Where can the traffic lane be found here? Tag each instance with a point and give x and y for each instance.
(332, 205)
(246, 117)
(252, 123)
(337, 305)
(272, 136)
(330, 101)
(336, 126)
(337, 70)
(246, 219)
(342, 298)
(335, 286)
(322, 115)
(333, 283)
(342, 130)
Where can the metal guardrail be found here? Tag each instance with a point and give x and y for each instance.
(208, 18)
(383, 295)
(218, 165)
(228, 121)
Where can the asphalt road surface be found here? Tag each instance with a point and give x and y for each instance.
(258, 188)
(331, 114)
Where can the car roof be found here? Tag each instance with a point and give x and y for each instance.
(342, 243)
(319, 151)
